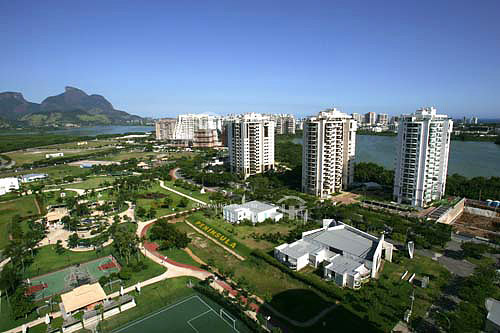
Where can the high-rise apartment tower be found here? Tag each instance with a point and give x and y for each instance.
(422, 157)
(251, 144)
(328, 152)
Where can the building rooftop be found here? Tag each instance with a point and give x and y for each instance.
(347, 240)
(35, 175)
(254, 206)
(341, 264)
(493, 307)
(82, 296)
(299, 248)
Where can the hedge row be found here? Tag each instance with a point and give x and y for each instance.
(314, 281)
(234, 308)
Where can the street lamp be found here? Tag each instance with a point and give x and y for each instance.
(267, 321)
(447, 319)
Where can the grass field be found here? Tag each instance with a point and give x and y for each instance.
(125, 155)
(52, 196)
(22, 157)
(156, 203)
(91, 183)
(195, 194)
(241, 233)
(23, 206)
(90, 144)
(58, 171)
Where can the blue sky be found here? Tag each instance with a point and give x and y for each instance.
(162, 58)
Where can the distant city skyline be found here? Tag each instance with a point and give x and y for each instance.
(160, 59)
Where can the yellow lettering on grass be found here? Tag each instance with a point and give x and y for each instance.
(218, 235)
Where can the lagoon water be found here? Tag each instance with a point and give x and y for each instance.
(83, 131)
(468, 158)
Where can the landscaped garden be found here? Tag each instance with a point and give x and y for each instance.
(23, 206)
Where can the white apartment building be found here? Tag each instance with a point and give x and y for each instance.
(422, 157)
(165, 128)
(328, 152)
(299, 124)
(358, 117)
(382, 119)
(187, 124)
(285, 123)
(370, 118)
(8, 184)
(251, 144)
(255, 211)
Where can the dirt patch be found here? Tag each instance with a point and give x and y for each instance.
(346, 198)
(198, 241)
(476, 225)
(194, 256)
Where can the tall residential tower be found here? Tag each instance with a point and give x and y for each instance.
(422, 157)
(251, 144)
(328, 152)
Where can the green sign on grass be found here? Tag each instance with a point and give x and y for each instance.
(212, 232)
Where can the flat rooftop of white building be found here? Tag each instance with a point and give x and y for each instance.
(254, 206)
(347, 240)
(341, 264)
(299, 248)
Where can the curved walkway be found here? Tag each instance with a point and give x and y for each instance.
(61, 234)
(162, 184)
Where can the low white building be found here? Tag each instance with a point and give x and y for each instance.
(53, 155)
(255, 211)
(349, 255)
(8, 184)
(33, 177)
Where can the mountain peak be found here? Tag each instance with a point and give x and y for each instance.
(69, 89)
(12, 94)
(72, 106)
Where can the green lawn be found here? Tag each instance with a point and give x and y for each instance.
(156, 203)
(90, 144)
(22, 157)
(195, 194)
(6, 320)
(125, 155)
(242, 233)
(52, 196)
(23, 206)
(58, 171)
(91, 183)
(179, 255)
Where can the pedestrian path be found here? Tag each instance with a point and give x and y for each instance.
(162, 184)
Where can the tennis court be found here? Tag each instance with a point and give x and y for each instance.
(66, 279)
(191, 315)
